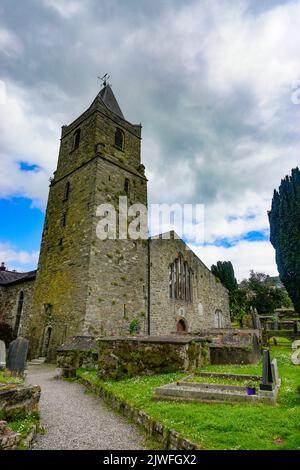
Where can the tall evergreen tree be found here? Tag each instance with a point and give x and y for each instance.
(284, 220)
(225, 272)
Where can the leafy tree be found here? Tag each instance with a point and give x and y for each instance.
(284, 220)
(261, 293)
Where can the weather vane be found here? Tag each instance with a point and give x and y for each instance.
(104, 79)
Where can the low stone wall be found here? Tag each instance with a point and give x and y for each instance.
(233, 355)
(9, 440)
(16, 401)
(121, 357)
(288, 334)
(231, 346)
(81, 351)
(168, 438)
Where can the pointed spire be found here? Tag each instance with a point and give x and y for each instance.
(109, 99)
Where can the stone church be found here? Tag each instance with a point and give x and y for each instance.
(87, 286)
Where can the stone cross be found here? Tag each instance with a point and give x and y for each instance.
(267, 376)
(17, 355)
(2, 355)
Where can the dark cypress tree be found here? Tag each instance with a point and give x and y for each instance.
(284, 220)
(225, 272)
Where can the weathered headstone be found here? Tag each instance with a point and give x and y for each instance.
(267, 376)
(275, 373)
(17, 355)
(255, 319)
(2, 355)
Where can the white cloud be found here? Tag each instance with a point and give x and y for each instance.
(245, 256)
(210, 80)
(20, 260)
(10, 44)
(66, 8)
(30, 138)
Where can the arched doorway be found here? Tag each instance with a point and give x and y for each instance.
(181, 326)
(20, 303)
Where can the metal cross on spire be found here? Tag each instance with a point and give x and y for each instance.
(104, 79)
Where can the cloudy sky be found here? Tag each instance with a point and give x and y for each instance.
(214, 83)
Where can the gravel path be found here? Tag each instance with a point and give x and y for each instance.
(75, 420)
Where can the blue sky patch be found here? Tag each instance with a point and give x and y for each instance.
(21, 224)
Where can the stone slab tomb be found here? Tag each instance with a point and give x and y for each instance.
(258, 390)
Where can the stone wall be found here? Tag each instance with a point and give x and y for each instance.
(17, 401)
(168, 438)
(208, 294)
(84, 285)
(62, 282)
(126, 357)
(117, 290)
(9, 296)
(235, 346)
(81, 351)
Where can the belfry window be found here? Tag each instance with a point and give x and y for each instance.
(119, 139)
(180, 280)
(76, 141)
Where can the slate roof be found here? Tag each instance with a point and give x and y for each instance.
(13, 277)
(109, 99)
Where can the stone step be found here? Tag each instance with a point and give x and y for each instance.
(37, 362)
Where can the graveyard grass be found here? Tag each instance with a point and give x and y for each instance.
(221, 426)
(6, 377)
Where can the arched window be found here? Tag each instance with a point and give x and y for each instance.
(67, 191)
(76, 139)
(20, 303)
(119, 139)
(219, 319)
(180, 280)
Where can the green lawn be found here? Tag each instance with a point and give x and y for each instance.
(222, 426)
(6, 377)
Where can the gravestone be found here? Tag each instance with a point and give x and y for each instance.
(2, 355)
(17, 355)
(255, 319)
(267, 376)
(275, 373)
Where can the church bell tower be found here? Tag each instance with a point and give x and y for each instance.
(84, 285)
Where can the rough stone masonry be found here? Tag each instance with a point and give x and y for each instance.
(87, 286)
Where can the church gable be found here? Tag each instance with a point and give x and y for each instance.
(185, 295)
